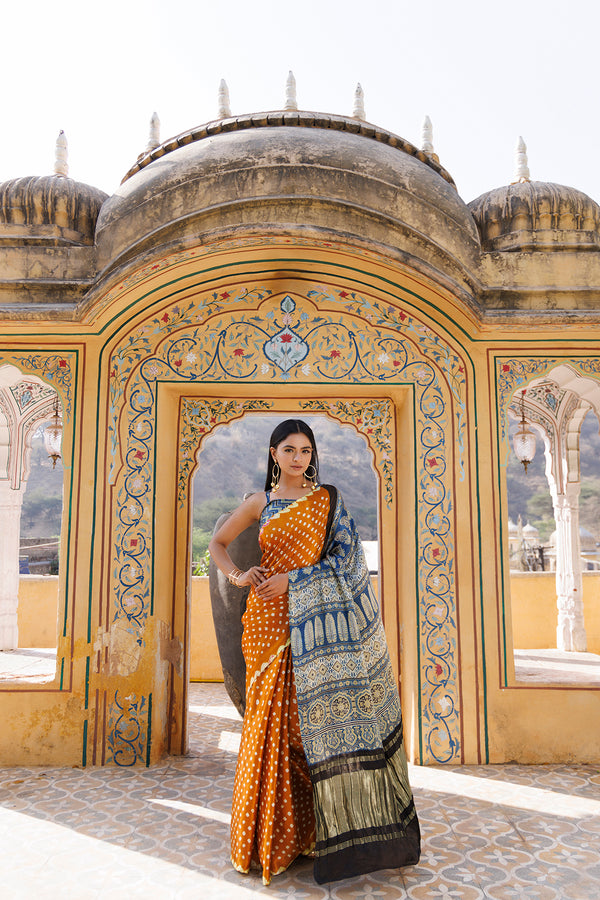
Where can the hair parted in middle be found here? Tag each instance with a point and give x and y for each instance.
(280, 433)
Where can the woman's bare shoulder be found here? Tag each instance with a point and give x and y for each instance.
(255, 503)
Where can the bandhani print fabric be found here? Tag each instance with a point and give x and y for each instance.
(272, 819)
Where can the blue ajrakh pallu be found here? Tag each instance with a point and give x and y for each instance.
(350, 717)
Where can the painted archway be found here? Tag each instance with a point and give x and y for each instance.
(192, 365)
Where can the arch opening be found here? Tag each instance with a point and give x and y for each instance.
(30, 489)
(551, 594)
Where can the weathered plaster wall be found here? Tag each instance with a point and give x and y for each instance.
(350, 281)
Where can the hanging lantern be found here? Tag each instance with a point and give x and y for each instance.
(53, 436)
(524, 438)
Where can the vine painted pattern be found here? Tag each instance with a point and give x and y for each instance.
(248, 334)
(198, 418)
(513, 373)
(127, 728)
(371, 418)
(54, 368)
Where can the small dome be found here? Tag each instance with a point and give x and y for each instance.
(536, 215)
(51, 209)
(512, 528)
(530, 530)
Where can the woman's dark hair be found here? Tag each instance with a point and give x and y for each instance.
(283, 430)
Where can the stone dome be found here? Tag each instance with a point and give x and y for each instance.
(51, 209)
(537, 215)
(274, 173)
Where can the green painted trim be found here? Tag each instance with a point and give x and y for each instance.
(87, 682)
(417, 594)
(94, 513)
(149, 731)
(62, 673)
(84, 751)
(395, 289)
(278, 261)
(481, 603)
(153, 504)
(66, 582)
(500, 524)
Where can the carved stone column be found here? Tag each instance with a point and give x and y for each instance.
(10, 516)
(570, 632)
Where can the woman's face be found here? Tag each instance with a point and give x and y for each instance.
(293, 454)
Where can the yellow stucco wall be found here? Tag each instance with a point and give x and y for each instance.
(533, 600)
(123, 607)
(38, 610)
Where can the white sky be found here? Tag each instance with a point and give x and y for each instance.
(484, 72)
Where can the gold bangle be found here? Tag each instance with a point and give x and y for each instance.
(233, 577)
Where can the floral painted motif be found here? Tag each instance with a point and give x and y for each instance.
(55, 368)
(198, 418)
(374, 419)
(514, 373)
(27, 392)
(228, 337)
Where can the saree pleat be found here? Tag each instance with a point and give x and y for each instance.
(272, 819)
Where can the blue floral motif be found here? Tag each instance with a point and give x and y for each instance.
(286, 349)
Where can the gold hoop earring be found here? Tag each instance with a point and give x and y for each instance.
(275, 477)
(312, 478)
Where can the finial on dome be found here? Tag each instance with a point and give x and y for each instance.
(290, 92)
(224, 107)
(359, 103)
(61, 165)
(522, 167)
(427, 136)
(154, 133)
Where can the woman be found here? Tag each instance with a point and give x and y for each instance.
(321, 768)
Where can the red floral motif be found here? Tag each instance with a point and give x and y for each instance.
(505, 367)
(335, 353)
(238, 352)
(133, 542)
(397, 362)
(139, 454)
(286, 339)
(438, 669)
(432, 462)
(402, 316)
(224, 295)
(213, 420)
(369, 431)
(165, 318)
(436, 551)
(344, 294)
(177, 362)
(62, 364)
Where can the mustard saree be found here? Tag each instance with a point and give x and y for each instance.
(322, 765)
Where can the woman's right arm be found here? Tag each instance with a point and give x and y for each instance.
(240, 519)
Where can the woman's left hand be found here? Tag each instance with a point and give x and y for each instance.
(273, 587)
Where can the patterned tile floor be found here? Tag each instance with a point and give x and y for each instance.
(497, 832)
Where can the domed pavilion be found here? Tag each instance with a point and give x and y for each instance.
(293, 262)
